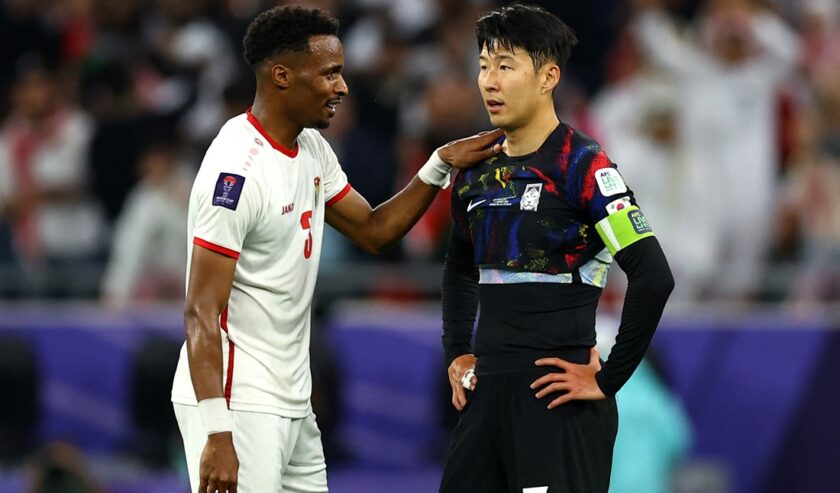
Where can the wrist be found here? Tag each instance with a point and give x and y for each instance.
(435, 172)
(216, 416)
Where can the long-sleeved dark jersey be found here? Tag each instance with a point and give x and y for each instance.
(533, 239)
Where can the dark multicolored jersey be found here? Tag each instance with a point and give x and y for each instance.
(536, 234)
(553, 216)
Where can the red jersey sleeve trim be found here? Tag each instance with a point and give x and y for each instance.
(340, 195)
(285, 150)
(227, 252)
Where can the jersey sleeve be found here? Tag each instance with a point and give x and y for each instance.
(335, 181)
(460, 217)
(599, 192)
(227, 205)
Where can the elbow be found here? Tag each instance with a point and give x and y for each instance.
(378, 246)
(193, 316)
(665, 283)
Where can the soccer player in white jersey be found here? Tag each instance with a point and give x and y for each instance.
(256, 217)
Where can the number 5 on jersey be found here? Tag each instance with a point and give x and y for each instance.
(305, 223)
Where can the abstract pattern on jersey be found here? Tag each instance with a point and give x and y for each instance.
(537, 213)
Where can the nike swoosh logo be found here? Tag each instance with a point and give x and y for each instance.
(473, 205)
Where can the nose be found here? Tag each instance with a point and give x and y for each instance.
(341, 88)
(488, 80)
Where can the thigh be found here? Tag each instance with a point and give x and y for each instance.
(262, 443)
(194, 437)
(306, 471)
(567, 449)
(473, 462)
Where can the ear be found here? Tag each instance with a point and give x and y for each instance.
(550, 77)
(280, 75)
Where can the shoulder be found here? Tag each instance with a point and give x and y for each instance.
(233, 159)
(582, 142)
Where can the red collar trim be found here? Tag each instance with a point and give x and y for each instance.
(256, 123)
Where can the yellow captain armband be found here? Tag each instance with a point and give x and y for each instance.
(623, 228)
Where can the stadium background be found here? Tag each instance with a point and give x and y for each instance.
(107, 108)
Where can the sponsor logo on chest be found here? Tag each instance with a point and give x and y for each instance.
(288, 208)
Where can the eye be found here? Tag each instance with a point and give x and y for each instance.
(483, 67)
(504, 67)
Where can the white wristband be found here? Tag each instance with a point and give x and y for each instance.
(216, 415)
(435, 172)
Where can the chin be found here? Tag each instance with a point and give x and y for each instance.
(499, 121)
(321, 125)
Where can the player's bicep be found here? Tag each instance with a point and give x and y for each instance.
(606, 201)
(210, 280)
(623, 228)
(350, 215)
(224, 212)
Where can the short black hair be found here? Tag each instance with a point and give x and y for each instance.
(285, 29)
(544, 36)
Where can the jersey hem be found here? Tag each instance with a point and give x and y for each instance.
(227, 252)
(251, 407)
(340, 195)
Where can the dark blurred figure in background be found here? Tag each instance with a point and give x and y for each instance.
(147, 256)
(57, 227)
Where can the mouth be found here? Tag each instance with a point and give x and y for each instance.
(494, 105)
(332, 104)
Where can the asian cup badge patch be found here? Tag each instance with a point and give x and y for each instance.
(317, 187)
(228, 190)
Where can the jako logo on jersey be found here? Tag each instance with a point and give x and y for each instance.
(610, 182)
(317, 187)
(288, 208)
(228, 190)
(531, 198)
(618, 205)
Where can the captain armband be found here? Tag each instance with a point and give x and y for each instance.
(622, 228)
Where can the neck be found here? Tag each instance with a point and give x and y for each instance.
(529, 137)
(275, 123)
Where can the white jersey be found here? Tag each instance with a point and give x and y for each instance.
(264, 205)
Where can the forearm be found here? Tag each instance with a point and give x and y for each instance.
(204, 351)
(650, 282)
(392, 220)
(776, 38)
(459, 296)
(660, 42)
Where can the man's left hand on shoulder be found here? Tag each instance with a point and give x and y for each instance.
(578, 381)
(469, 151)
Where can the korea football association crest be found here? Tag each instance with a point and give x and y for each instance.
(531, 198)
(317, 188)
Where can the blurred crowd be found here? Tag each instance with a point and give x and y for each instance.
(723, 116)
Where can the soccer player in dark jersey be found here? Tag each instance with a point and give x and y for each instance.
(535, 231)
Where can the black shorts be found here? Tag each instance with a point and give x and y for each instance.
(508, 441)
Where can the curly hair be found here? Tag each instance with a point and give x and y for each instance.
(284, 29)
(545, 37)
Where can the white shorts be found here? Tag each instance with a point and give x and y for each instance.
(276, 454)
